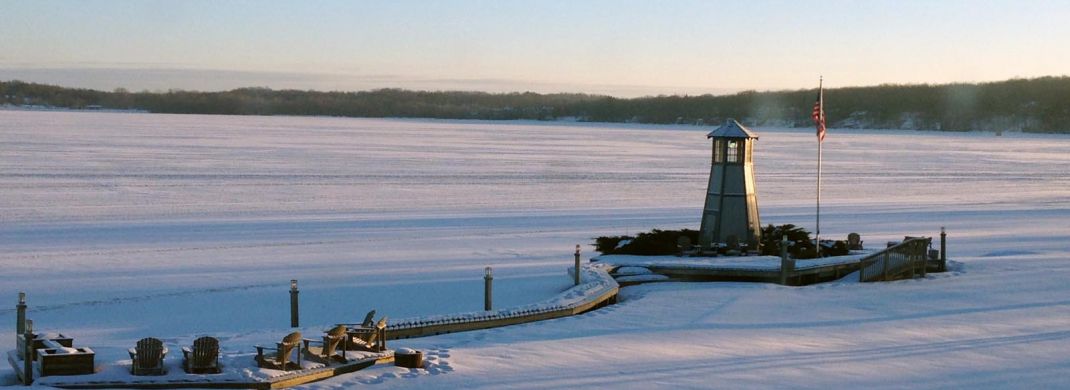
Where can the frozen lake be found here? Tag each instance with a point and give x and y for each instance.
(121, 226)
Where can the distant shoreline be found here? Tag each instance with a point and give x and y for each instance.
(616, 125)
(12, 107)
(1019, 105)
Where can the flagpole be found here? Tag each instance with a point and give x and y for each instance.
(817, 234)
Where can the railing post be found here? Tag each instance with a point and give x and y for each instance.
(862, 269)
(293, 304)
(488, 288)
(27, 361)
(577, 269)
(943, 249)
(786, 265)
(923, 250)
(884, 266)
(20, 314)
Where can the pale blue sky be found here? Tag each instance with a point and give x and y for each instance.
(624, 48)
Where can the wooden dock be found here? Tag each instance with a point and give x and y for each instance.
(599, 289)
(494, 321)
(904, 260)
(191, 381)
(797, 277)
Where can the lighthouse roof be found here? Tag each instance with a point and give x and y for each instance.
(732, 129)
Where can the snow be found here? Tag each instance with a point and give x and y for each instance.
(65, 351)
(642, 278)
(124, 226)
(630, 270)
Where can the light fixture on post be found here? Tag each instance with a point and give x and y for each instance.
(293, 304)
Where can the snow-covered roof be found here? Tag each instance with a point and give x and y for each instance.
(732, 129)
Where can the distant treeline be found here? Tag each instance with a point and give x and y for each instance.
(1032, 105)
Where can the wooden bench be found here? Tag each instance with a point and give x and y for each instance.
(39, 342)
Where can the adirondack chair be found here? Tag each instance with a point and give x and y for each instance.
(369, 319)
(854, 241)
(281, 360)
(368, 322)
(203, 358)
(147, 357)
(325, 351)
(372, 338)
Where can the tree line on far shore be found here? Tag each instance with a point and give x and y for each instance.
(1031, 105)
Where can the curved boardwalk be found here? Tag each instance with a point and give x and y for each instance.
(598, 289)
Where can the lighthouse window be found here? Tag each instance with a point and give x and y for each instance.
(718, 151)
(733, 151)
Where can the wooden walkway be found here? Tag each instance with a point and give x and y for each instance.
(905, 260)
(599, 289)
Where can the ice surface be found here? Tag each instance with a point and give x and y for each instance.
(123, 226)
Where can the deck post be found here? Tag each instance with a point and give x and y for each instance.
(294, 320)
(27, 361)
(576, 282)
(786, 265)
(20, 314)
(943, 249)
(925, 245)
(488, 287)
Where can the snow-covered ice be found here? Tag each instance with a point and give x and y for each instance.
(123, 226)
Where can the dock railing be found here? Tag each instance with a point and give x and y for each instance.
(598, 289)
(904, 260)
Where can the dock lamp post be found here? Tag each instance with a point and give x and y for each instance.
(488, 288)
(577, 275)
(20, 314)
(293, 303)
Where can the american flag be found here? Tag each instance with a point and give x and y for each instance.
(819, 114)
